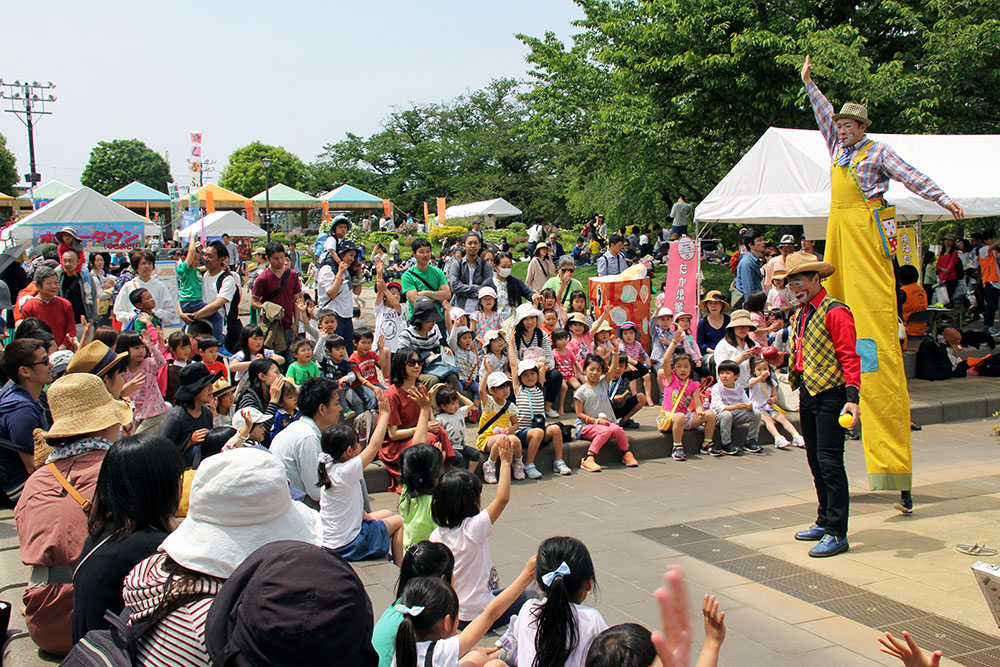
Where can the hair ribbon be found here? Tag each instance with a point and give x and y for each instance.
(560, 571)
(325, 458)
(408, 611)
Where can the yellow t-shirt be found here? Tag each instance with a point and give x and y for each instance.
(490, 408)
(595, 248)
(182, 508)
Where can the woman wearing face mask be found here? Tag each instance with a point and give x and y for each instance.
(511, 290)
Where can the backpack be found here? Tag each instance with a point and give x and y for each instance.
(115, 647)
(932, 361)
(234, 326)
(990, 366)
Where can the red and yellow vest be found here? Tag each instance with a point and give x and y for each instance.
(820, 367)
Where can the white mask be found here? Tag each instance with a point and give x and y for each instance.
(504, 272)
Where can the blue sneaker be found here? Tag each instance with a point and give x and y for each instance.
(813, 533)
(830, 545)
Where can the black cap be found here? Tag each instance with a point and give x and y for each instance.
(268, 613)
(193, 378)
(424, 310)
(345, 245)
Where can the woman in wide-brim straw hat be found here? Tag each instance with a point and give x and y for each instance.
(98, 359)
(737, 345)
(712, 327)
(51, 513)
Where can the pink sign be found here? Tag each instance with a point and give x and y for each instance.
(681, 292)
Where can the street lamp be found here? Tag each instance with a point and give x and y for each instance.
(266, 163)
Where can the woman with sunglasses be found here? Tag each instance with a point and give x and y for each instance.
(404, 374)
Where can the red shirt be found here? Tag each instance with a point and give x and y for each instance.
(365, 366)
(267, 283)
(218, 366)
(58, 314)
(840, 323)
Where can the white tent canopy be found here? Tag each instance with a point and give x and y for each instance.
(480, 209)
(785, 179)
(223, 222)
(84, 206)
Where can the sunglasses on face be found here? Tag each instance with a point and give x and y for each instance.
(414, 362)
(44, 362)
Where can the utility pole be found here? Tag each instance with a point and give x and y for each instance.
(27, 99)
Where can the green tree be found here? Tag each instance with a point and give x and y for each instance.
(657, 98)
(115, 164)
(8, 169)
(244, 173)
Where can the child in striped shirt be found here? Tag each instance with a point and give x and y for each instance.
(638, 361)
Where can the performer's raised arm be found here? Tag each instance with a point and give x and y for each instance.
(822, 109)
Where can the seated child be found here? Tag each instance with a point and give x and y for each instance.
(225, 397)
(763, 396)
(336, 367)
(637, 364)
(578, 304)
(180, 352)
(487, 317)
(497, 421)
(682, 322)
(755, 303)
(365, 363)
(661, 335)
(251, 426)
(581, 342)
(550, 322)
(326, 321)
(566, 365)
(347, 530)
(683, 402)
(779, 296)
(460, 342)
(533, 431)
(287, 410)
(495, 345)
(453, 408)
(208, 347)
(732, 405)
(592, 399)
(303, 367)
(779, 334)
(144, 303)
(623, 400)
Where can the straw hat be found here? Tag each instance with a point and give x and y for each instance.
(81, 404)
(603, 326)
(491, 335)
(221, 387)
(95, 358)
(779, 274)
(542, 244)
(578, 318)
(801, 262)
(239, 502)
(713, 296)
(853, 111)
(741, 318)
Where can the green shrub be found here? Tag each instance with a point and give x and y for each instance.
(520, 250)
(516, 228)
(449, 231)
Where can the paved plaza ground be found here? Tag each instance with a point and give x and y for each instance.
(729, 523)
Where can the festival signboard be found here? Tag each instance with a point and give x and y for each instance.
(96, 236)
(681, 293)
(908, 249)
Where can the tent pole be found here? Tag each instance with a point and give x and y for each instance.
(920, 245)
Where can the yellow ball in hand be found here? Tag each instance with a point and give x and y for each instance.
(846, 419)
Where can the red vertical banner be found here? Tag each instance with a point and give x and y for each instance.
(249, 207)
(441, 206)
(326, 211)
(387, 208)
(209, 202)
(427, 216)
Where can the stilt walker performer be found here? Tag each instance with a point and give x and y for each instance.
(861, 242)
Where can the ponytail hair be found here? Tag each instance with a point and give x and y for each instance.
(438, 600)
(334, 441)
(557, 634)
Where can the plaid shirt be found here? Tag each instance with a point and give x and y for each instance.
(880, 164)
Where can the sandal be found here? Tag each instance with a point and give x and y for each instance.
(975, 549)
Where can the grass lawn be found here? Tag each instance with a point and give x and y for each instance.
(716, 277)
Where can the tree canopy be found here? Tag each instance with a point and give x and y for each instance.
(115, 164)
(8, 169)
(244, 173)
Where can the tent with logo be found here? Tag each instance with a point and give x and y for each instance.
(784, 179)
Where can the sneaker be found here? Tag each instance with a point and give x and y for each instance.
(781, 442)
(628, 458)
(705, 448)
(677, 454)
(798, 440)
(531, 472)
(559, 467)
(630, 424)
(811, 534)
(715, 451)
(347, 415)
(993, 331)
(508, 643)
(830, 545)
(753, 447)
(731, 449)
(852, 434)
(490, 471)
(589, 463)
(904, 506)
(518, 469)
(551, 414)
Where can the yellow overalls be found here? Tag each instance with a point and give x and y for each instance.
(865, 282)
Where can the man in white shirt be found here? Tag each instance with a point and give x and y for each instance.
(535, 234)
(215, 258)
(297, 446)
(335, 291)
(394, 248)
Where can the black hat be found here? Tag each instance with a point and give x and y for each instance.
(345, 245)
(424, 310)
(267, 613)
(193, 378)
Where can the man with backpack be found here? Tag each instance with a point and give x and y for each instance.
(278, 283)
(220, 291)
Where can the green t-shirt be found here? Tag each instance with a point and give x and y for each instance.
(417, 522)
(574, 285)
(139, 325)
(188, 282)
(433, 276)
(298, 373)
(384, 635)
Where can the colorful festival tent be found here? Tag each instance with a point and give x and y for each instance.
(350, 197)
(284, 197)
(137, 195)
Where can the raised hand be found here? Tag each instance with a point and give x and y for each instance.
(715, 621)
(132, 385)
(276, 387)
(420, 394)
(673, 644)
(383, 400)
(381, 342)
(806, 74)
(908, 652)
(145, 318)
(247, 424)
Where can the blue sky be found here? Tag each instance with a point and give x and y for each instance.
(297, 74)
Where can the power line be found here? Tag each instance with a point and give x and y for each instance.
(28, 100)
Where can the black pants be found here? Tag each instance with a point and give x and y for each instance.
(553, 383)
(825, 452)
(992, 295)
(624, 407)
